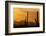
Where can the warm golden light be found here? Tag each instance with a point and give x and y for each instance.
(21, 13)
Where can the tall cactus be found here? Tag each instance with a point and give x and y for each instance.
(26, 18)
(37, 23)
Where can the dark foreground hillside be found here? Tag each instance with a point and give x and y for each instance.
(25, 24)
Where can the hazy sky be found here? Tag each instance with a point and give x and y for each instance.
(20, 14)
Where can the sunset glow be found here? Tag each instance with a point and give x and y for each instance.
(21, 13)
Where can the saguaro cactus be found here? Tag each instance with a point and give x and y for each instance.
(36, 20)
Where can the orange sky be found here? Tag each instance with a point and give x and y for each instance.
(20, 14)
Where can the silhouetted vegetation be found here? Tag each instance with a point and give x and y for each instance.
(23, 23)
